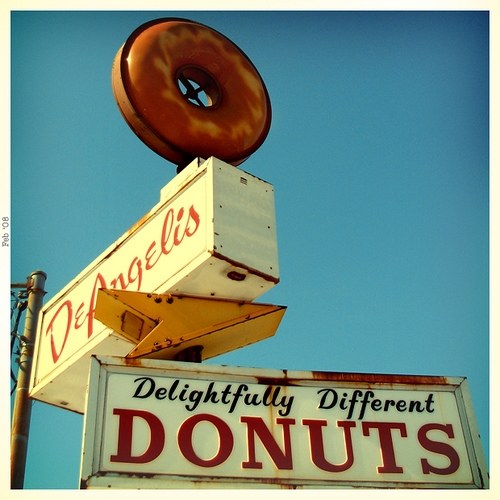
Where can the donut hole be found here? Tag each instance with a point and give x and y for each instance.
(198, 87)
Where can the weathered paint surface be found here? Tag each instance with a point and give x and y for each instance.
(162, 57)
(163, 325)
(182, 425)
(208, 228)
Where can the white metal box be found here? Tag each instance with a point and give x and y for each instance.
(212, 234)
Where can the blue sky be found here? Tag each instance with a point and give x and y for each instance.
(379, 154)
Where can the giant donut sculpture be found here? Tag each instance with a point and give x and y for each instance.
(187, 91)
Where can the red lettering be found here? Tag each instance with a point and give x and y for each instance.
(439, 448)
(125, 428)
(165, 232)
(317, 447)
(193, 217)
(138, 274)
(192, 224)
(79, 313)
(150, 265)
(386, 445)
(99, 280)
(255, 425)
(170, 237)
(177, 240)
(114, 283)
(50, 329)
(185, 440)
(131, 278)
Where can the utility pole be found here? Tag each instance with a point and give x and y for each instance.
(21, 415)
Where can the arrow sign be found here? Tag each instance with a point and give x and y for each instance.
(162, 325)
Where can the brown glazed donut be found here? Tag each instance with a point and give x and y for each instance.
(187, 91)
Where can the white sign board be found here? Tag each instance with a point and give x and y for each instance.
(163, 424)
(212, 234)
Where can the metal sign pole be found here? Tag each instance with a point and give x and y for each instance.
(21, 415)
